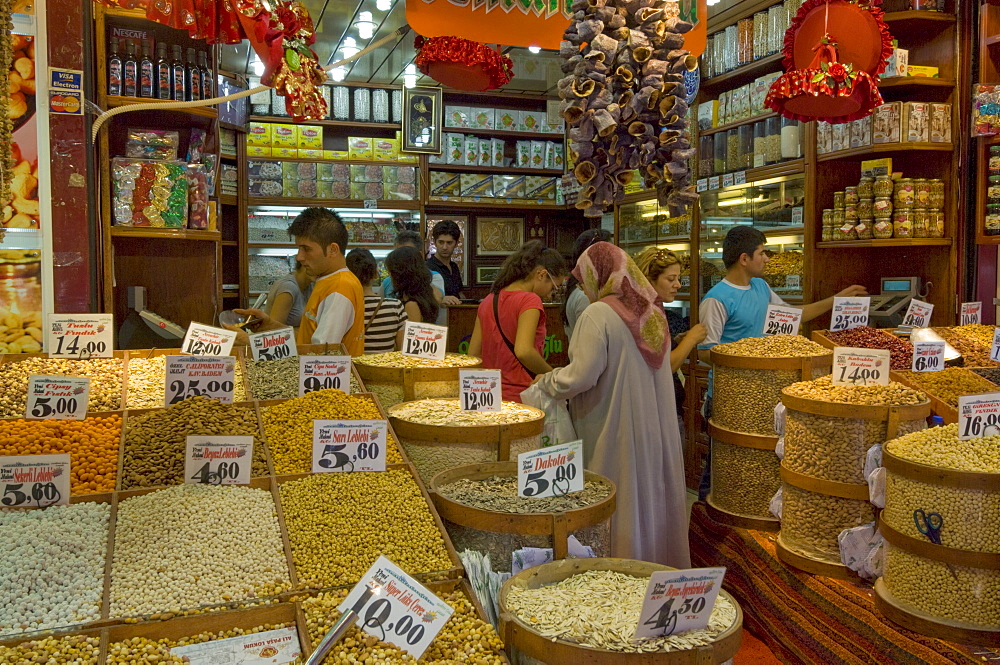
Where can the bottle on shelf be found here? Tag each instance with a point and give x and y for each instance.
(130, 67)
(147, 74)
(207, 77)
(115, 69)
(193, 77)
(178, 85)
(162, 72)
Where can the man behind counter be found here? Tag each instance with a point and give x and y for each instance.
(446, 236)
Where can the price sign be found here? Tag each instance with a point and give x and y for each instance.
(727, 179)
(481, 390)
(402, 611)
(978, 416)
(324, 373)
(274, 345)
(797, 218)
(271, 647)
(713, 182)
(34, 481)
(918, 314)
(552, 471)
(370, 204)
(860, 367)
(781, 320)
(344, 446)
(928, 356)
(740, 178)
(218, 460)
(971, 313)
(702, 185)
(995, 349)
(204, 376)
(678, 601)
(202, 340)
(424, 340)
(80, 336)
(57, 397)
(850, 313)
(793, 281)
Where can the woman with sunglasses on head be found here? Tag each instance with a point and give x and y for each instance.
(575, 300)
(510, 323)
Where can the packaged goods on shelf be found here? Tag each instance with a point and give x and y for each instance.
(456, 117)
(259, 134)
(284, 135)
(522, 150)
(476, 185)
(337, 155)
(916, 122)
(507, 120)
(259, 151)
(260, 102)
(485, 152)
(985, 120)
(540, 188)
(309, 136)
(360, 147)
(471, 150)
(385, 149)
(445, 184)
(840, 138)
(497, 147)
(940, 123)
(455, 148)
(509, 186)
(482, 118)
(157, 144)
(149, 192)
(530, 121)
(268, 228)
(284, 152)
(708, 114)
(922, 71)
(897, 64)
(887, 123)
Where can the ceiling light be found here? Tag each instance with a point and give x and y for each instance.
(410, 80)
(258, 66)
(338, 73)
(383, 5)
(534, 49)
(349, 48)
(365, 25)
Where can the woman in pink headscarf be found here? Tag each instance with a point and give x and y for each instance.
(621, 395)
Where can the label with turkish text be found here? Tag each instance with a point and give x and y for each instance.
(80, 336)
(270, 647)
(678, 601)
(928, 356)
(971, 313)
(218, 460)
(781, 320)
(345, 446)
(860, 367)
(57, 397)
(202, 340)
(850, 313)
(552, 471)
(480, 390)
(274, 345)
(918, 314)
(324, 373)
(978, 416)
(34, 481)
(200, 376)
(424, 340)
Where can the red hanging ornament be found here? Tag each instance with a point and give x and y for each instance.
(462, 64)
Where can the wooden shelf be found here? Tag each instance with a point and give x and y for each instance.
(115, 101)
(741, 75)
(879, 148)
(738, 123)
(125, 13)
(327, 123)
(786, 168)
(495, 169)
(506, 133)
(330, 203)
(226, 155)
(657, 241)
(992, 40)
(230, 243)
(229, 199)
(161, 233)
(731, 15)
(497, 204)
(320, 160)
(915, 82)
(917, 15)
(887, 242)
(272, 245)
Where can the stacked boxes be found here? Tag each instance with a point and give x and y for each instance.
(476, 187)
(326, 180)
(893, 122)
(473, 117)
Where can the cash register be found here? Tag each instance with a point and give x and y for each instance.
(888, 308)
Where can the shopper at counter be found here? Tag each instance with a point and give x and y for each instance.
(411, 281)
(412, 239)
(509, 334)
(384, 317)
(286, 301)
(446, 236)
(575, 300)
(663, 270)
(617, 381)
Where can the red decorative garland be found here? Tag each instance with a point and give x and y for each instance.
(457, 50)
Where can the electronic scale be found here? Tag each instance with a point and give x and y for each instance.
(888, 308)
(134, 335)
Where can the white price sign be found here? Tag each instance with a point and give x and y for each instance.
(740, 178)
(971, 313)
(480, 389)
(34, 481)
(678, 601)
(701, 185)
(200, 376)
(402, 611)
(850, 313)
(80, 336)
(345, 446)
(995, 350)
(324, 373)
(274, 345)
(552, 471)
(271, 647)
(781, 320)
(57, 397)
(860, 367)
(918, 314)
(202, 340)
(928, 356)
(218, 460)
(424, 340)
(978, 416)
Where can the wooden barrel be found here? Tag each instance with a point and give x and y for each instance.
(435, 448)
(944, 591)
(408, 383)
(551, 529)
(738, 498)
(522, 639)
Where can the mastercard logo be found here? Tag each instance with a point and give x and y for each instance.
(64, 103)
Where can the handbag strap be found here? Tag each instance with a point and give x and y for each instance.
(510, 345)
(368, 325)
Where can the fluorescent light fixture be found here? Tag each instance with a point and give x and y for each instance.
(679, 247)
(258, 66)
(383, 5)
(365, 25)
(785, 240)
(349, 48)
(534, 49)
(338, 73)
(740, 201)
(410, 76)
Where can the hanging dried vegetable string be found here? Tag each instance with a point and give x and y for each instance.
(6, 124)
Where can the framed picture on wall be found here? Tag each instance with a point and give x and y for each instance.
(423, 112)
(486, 274)
(499, 236)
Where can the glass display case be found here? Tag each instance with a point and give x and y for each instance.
(774, 206)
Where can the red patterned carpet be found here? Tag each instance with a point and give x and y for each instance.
(802, 618)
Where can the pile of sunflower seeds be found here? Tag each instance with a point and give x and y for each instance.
(499, 493)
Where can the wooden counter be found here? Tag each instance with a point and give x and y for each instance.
(462, 320)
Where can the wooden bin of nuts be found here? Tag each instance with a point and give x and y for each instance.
(397, 378)
(945, 387)
(279, 379)
(145, 382)
(578, 610)
(106, 379)
(828, 431)
(438, 435)
(941, 524)
(748, 377)
(482, 511)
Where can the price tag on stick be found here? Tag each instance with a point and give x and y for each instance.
(918, 314)
(781, 320)
(34, 481)
(480, 389)
(57, 397)
(552, 471)
(978, 416)
(202, 340)
(274, 345)
(928, 356)
(860, 367)
(850, 313)
(971, 313)
(324, 373)
(344, 446)
(424, 340)
(402, 611)
(80, 336)
(995, 349)
(205, 376)
(678, 601)
(218, 460)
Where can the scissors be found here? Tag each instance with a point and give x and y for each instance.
(929, 524)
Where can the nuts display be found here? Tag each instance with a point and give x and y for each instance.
(600, 609)
(392, 392)
(147, 383)
(499, 494)
(772, 346)
(105, 381)
(339, 523)
(279, 379)
(448, 412)
(744, 479)
(864, 337)
(949, 384)
(781, 265)
(69, 650)
(52, 566)
(973, 353)
(979, 333)
(811, 522)
(192, 545)
(397, 359)
(156, 442)
(289, 426)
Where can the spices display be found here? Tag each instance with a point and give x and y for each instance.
(147, 383)
(192, 545)
(105, 381)
(600, 610)
(371, 514)
(279, 379)
(973, 353)
(156, 442)
(68, 650)
(52, 566)
(948, 384)
(865, 337)
(146, 651)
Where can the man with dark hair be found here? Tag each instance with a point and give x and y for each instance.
(446, 236)
(412, 239)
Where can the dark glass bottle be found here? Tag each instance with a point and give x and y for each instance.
(115, 69)
(147, 73)
(207, 77)
(162, 72)
(193, 76)
(178, 85)
(130, 67)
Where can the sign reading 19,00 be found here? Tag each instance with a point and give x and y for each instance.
(80, 336)
(200, 376)
(34, 481)
(202, 340)
(424, 340)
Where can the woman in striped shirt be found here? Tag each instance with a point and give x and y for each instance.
(384, 317)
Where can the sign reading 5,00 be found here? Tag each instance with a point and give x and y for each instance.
(552, 471)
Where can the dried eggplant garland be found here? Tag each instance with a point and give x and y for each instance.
(623, 100)
(6, 124)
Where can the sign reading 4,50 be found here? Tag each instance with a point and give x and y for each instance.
(678, 601)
